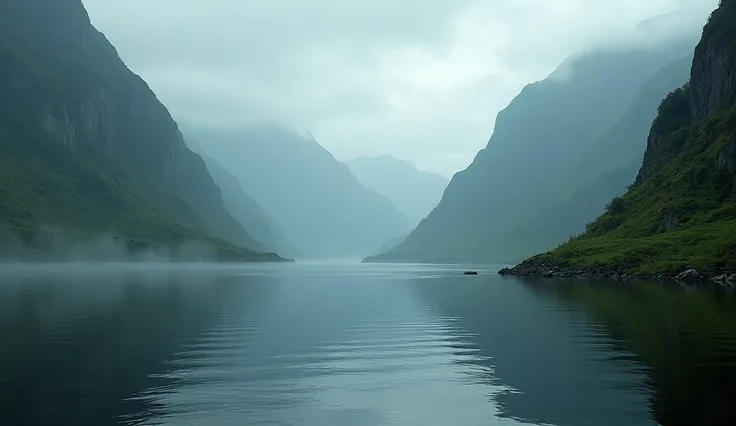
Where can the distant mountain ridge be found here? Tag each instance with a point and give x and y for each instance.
(415, 193)
(244, 208)
(319, 206)
(86, 145)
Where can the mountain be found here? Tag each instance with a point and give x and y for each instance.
(415, 193)
(85, 146)
(680, 213)
(243, 207)
(316, 202)
(504, 206)
(607, 168)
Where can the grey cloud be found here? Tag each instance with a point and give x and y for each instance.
(418, 79)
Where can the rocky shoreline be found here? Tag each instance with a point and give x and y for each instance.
(548, 269)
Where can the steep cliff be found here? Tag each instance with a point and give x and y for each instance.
(505, 206)
(86, 144)
(681, 211)
(609, 166)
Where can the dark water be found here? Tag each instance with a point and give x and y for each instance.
(322, 345)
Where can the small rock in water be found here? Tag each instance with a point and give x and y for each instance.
(470, 273)
(731, 279)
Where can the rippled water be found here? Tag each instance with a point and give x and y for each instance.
(321, 345)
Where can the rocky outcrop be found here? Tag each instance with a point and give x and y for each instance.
(676, 108)
(713, 78)
(542, 267)
(689, 275)
(726, 159)
(669, 221)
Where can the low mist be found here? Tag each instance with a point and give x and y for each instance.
(60, 245)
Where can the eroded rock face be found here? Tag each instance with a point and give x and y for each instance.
(713, 81)
(677, 108)
(726, 159)
(90, 124)
(670, 220)
(653, 143)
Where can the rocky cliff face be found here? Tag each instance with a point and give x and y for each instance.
(712, 86)
(674, 113)
(63, 88)
(713, 81)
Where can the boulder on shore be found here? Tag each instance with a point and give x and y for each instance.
(689, 275)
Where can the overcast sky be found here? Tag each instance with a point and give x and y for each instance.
(418, 79)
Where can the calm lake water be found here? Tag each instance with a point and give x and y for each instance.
(322, 345)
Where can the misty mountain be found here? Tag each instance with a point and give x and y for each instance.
(415, 193)
(243, 207)
(86, 145)
(505, 206)
(608, 167)
(680, 212)
(316, 202)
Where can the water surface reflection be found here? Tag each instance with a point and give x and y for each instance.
(360, 345)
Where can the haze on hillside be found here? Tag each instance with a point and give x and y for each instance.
(415, 79)
(318, 206)
(414, 192)
(561, 150)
